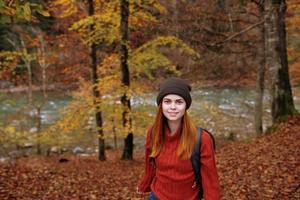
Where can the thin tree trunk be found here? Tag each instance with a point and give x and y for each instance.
(260, 81)
(39, 126)
(42, 61)
(43, 65)
(29, 72)
(174, 6)
(114, 134)
(282, 104)
(29, 76)
(125, 99)
(96, 93)
(44, 77)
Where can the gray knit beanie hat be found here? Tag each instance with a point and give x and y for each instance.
(175, 86)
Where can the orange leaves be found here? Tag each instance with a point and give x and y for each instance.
(265, 168)
(80, 178)
(64, 8)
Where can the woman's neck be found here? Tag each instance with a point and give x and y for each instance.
(173, 126)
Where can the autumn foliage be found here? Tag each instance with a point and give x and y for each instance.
(265, 168)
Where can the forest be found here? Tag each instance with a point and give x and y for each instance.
(79, 79)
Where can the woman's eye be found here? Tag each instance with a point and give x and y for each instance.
(167, 101)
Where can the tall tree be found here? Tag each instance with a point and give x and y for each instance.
(41, 58)
(125, 99)
(96, 92)
(260, 80)
(282, 103)
(26, 57)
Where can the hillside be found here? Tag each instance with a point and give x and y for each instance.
(265, 168)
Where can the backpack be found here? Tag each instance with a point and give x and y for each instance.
(195, 159)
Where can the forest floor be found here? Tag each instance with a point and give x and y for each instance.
(264, 168)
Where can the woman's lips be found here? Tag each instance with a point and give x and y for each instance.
(172, 113)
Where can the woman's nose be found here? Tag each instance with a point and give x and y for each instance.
(173, 105)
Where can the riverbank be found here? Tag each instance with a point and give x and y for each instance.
(264, 168)
(38, 88)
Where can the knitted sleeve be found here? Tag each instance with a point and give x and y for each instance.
(149, 171)
(209, 175)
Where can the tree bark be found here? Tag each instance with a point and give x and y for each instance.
(27, 61)
(282, 104)
(29, 74)
(43, 65)
(38, 132)
(260, 80)
(125, 99)
(96, 93)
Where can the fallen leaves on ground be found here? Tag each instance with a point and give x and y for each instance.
(265, 168)
(77, 178)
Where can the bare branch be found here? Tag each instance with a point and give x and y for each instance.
(240, 33)
(244, 30)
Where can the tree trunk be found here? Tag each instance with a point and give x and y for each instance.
(29, 74)
(44, 77)
(174, 10)
(282, 104)
(125, 99)
(44, 66)
(38, 132)
(96, 93)
(260, 80)
(26, 57)
(114, 133)
(42, 61)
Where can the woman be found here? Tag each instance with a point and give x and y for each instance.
(169, 144)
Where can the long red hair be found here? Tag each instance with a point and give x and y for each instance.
(187, 137)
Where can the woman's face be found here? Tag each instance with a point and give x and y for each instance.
(173, 107)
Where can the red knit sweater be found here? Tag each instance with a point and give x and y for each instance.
(173, 178)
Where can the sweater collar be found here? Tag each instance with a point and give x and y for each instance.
(175, 136)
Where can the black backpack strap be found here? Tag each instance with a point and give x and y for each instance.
(195, 158)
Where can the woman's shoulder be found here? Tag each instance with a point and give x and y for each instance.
(207, 137)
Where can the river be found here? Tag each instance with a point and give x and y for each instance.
(226, 111)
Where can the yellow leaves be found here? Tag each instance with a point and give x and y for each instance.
(66, 7)
(6, 9)
(8, 61)
(147, 62)
(141, 12)
(105, 28)
(106, 20)
(170, 42)
(27, 11)
(20, 11)
(150, 57)
(10, 135)
(9, 130)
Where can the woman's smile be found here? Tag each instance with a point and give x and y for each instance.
(173, 107)
(173, 113)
